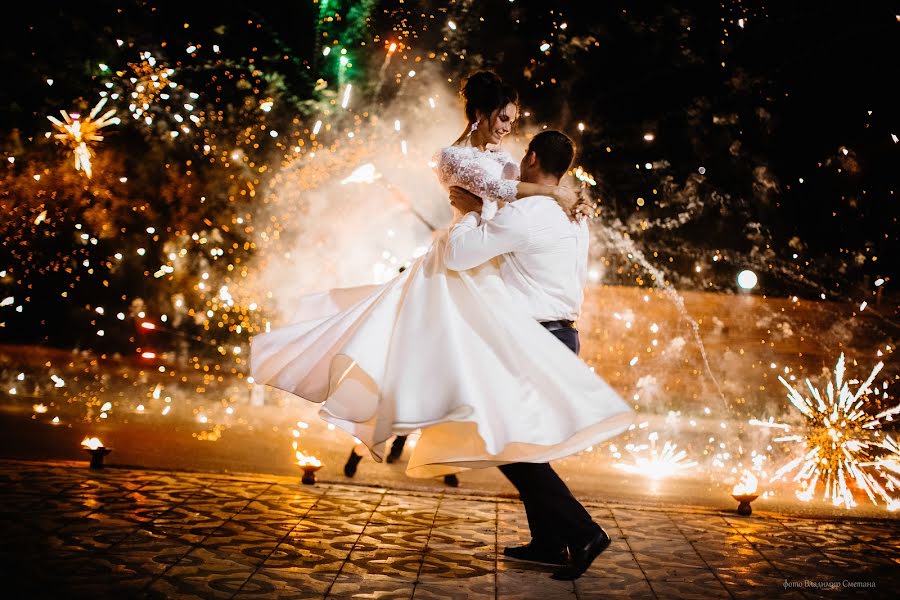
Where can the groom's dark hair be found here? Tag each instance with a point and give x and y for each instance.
(554, 150)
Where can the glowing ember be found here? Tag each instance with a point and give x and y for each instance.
(842, 443)
(39, 408)
(92, 443)
(747, 485)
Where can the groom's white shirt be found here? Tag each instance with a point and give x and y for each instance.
(545, 262)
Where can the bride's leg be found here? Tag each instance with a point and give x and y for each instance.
(356, 455)
(396, 448)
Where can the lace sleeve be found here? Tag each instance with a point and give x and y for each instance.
(454, 166)
(510, 168)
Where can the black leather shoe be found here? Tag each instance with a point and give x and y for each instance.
(352, 462)
(538, 554)
(582, 557)
(451, 480)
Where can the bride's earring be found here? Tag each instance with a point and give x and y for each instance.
(474, 127)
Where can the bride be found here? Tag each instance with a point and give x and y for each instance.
(451, 353)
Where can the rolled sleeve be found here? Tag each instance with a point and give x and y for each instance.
(473, 242)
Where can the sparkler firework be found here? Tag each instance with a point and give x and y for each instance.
(656, 463)
(842, 444)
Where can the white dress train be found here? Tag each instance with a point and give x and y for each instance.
(446, 352)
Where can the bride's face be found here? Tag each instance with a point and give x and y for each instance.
(500, 124)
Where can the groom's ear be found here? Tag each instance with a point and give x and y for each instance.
(531, 158)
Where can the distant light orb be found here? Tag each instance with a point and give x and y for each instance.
(747, 279)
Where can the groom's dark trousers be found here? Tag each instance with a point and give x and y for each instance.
(555, 517)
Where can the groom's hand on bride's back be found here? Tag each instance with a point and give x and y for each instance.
(464, 200)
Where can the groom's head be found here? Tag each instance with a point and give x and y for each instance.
(548, 157)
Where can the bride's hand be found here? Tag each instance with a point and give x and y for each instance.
(568, 199)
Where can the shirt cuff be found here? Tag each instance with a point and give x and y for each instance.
(471, 219)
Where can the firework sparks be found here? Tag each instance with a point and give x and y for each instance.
(80, 134)
(151, 82)
(887, 467)
(770, 424)
(842, 443)
(584, 177)
(653, 462)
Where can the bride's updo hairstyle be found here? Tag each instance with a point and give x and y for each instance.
(484, 91)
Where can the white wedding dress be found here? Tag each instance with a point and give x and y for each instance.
(446, 352)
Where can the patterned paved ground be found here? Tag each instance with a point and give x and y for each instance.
(70, 532)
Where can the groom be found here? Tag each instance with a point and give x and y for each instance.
(545, 270)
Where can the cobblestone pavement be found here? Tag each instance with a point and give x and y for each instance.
(72, 532)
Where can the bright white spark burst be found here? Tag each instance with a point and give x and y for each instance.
(655, 463)
(78, 134)
(842, 444)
